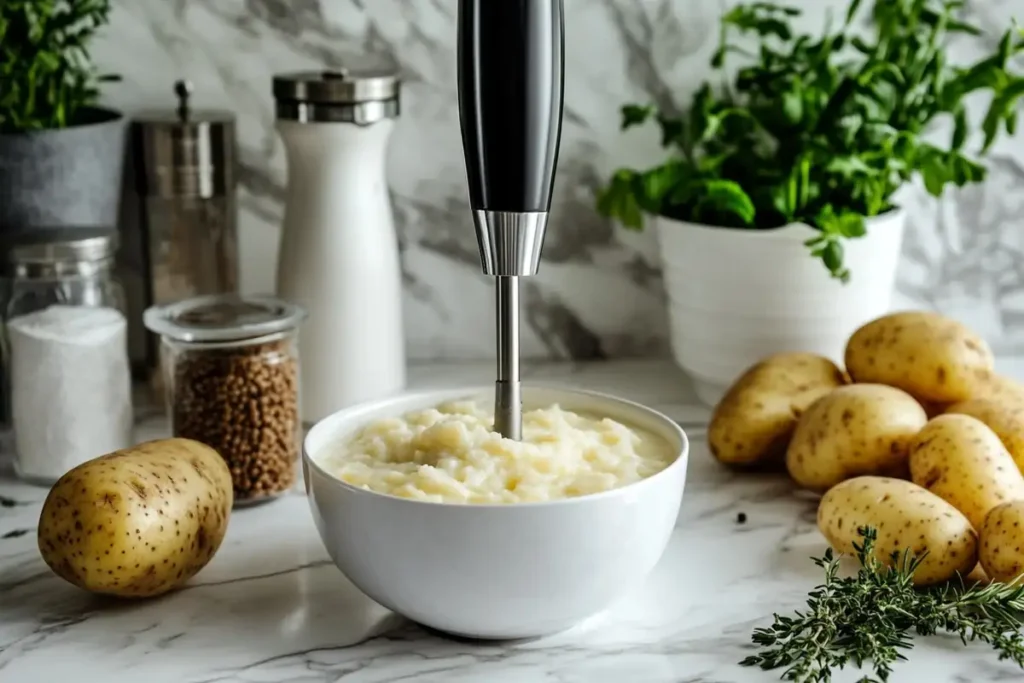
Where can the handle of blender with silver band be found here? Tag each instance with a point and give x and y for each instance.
(511, 66)
(511, 72)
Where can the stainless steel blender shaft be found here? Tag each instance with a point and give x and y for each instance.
(511, 63)
(508, 405)
(510, 245)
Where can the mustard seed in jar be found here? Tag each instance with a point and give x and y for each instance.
(231, 371)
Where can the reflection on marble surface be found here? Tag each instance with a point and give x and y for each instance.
(598, 293)
(271, 607)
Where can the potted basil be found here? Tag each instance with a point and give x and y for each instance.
(775, 208)
(61, 155)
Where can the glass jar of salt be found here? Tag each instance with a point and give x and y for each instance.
(65, 350)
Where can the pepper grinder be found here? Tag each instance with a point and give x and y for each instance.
(511, 72)
(180, 226)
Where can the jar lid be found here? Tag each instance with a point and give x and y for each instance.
(223, 318)
(185, 152)
(184, 116)
(59, 245)
(342, 85)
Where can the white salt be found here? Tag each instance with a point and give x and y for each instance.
(70, 388)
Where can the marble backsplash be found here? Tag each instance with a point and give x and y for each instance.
(599, 291)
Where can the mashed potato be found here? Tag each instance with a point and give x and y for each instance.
(450, 454)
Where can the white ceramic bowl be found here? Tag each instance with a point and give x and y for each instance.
(496, 571)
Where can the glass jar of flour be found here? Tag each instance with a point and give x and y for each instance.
(65, 350)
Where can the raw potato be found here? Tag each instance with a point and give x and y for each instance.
(931, 357)
(1002, 542)
(754, 421)
(963, 462)
(934, 409)
(137, 522)
(998, 388)
(977, 574)
(989, 387)
(906, 517)
(1006, 419)
(854, 430)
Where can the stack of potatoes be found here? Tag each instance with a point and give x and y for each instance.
(919, 438)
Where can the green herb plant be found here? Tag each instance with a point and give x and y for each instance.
(47, 78)
(820, 130)
(870, 618)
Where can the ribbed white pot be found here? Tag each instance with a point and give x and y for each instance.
(736, 296)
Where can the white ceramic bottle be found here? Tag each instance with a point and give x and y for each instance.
(339, 251)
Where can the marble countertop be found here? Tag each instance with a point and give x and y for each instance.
(271, 607)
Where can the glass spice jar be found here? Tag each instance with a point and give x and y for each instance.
(231, 376)
(67, 380)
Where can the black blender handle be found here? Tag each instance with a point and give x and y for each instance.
(511, 71)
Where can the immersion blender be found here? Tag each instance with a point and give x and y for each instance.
(511, 68)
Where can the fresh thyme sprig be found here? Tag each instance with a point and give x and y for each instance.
(871, 618)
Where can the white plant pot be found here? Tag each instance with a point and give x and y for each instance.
(736, 296)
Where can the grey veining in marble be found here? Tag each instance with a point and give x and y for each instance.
(599, 292)
(272, 608)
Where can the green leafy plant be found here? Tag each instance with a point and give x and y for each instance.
(820, 130)
(47, 78)
(870, 618)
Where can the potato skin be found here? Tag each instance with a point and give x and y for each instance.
(977, 575)
(989, 387)
(137, 522)
(931, 357)
(1002, 542)
(934, 409)
(753, 422)
(998, 388)
(1005, 418)
(854, 430)
(962, 461)
(906, 517)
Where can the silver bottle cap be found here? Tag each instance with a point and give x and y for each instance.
(342, 95)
